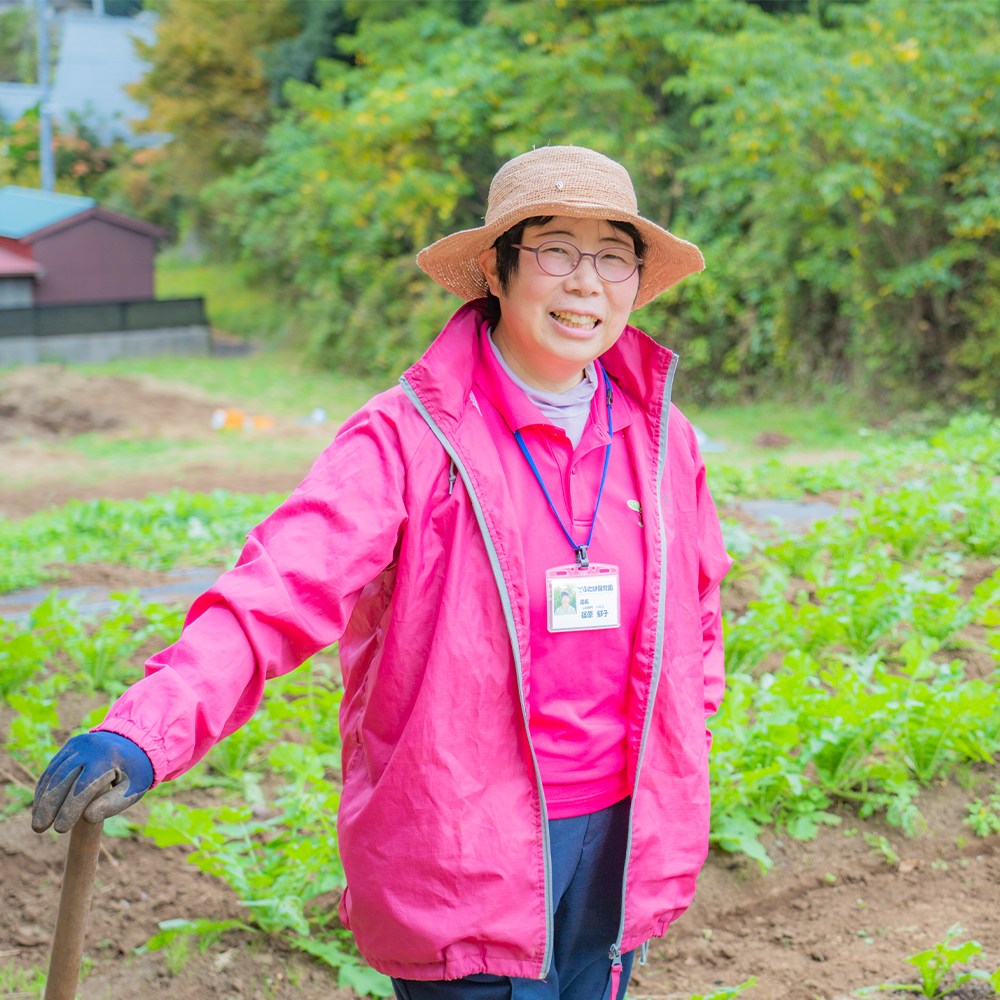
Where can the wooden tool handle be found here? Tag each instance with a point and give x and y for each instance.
(74, 906)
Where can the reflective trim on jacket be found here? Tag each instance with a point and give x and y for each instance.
(421, 579)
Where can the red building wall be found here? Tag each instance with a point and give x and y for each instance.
(93, 261)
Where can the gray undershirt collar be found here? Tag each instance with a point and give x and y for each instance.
(568, 410)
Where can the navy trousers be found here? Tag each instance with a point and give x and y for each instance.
(588, 861)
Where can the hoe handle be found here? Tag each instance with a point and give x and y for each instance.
(74, 906)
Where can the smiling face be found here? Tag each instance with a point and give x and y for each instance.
(551, 327)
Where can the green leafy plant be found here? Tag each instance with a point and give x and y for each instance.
(984, 815)
(22, 982)
(30, 739)
(174, 936)
(156, 533)
(101, 649)
(726, 992)
(839, 689)
(881, 845)
(935, 965)
(280, 863)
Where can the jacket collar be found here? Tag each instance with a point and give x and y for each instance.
(443, 378)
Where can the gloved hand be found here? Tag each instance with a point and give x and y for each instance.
(76, 777)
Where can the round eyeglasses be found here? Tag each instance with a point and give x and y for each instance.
(558, 258)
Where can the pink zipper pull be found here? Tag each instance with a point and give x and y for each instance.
(616, 971)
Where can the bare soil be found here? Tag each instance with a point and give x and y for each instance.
(144, 886)
(830, 917)
(49, 402)
(108, 575)
(43, 407)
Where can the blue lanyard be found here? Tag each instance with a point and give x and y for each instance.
(581, 550)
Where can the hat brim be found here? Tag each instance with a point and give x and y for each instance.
(453, 262)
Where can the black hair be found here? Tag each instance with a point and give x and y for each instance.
(508, 256)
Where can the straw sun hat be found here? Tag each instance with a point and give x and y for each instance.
(559, 180)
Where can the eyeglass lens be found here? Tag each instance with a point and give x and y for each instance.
(559, 259)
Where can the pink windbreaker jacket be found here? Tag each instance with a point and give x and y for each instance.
(403, 544)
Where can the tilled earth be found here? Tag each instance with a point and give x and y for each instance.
(44, 408)
(830, 917)
(49, 402)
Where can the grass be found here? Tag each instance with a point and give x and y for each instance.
(243, 306)
(235, 302)
(229, 451)
(815, 429)
(271, 382)
(21, 982)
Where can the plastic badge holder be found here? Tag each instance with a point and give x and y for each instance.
(583, 598)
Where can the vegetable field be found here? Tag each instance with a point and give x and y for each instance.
(853, 771)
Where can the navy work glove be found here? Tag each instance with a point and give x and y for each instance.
(76, 777)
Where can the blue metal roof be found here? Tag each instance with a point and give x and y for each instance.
(26, 210)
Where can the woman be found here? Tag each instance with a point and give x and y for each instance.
(525, 794)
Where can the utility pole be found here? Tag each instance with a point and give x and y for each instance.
(98, 8)
(46, 160)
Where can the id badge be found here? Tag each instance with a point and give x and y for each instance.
(581, 599)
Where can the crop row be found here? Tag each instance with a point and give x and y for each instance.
(157, 533)
(274, 841)
(862, 669)
(856, 674)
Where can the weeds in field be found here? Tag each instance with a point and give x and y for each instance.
(881, 845)
(846, 684)
(156, 533)
(175, 935)
(22, 982)
(984, 815)
(935, 965)
(726, 992)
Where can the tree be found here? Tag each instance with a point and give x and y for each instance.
(848, 188)
(18, 62)
(83, 163)
(387, 155)
(840, 169)
(207, 88)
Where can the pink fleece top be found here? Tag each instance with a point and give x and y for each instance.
(578, 698)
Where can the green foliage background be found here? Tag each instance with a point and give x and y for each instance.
(838, 163)
(838, 167)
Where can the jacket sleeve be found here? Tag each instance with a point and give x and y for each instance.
(714, 564)
(290, 594)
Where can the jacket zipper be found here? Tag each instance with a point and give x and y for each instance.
(505, 600)
(615, 953)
